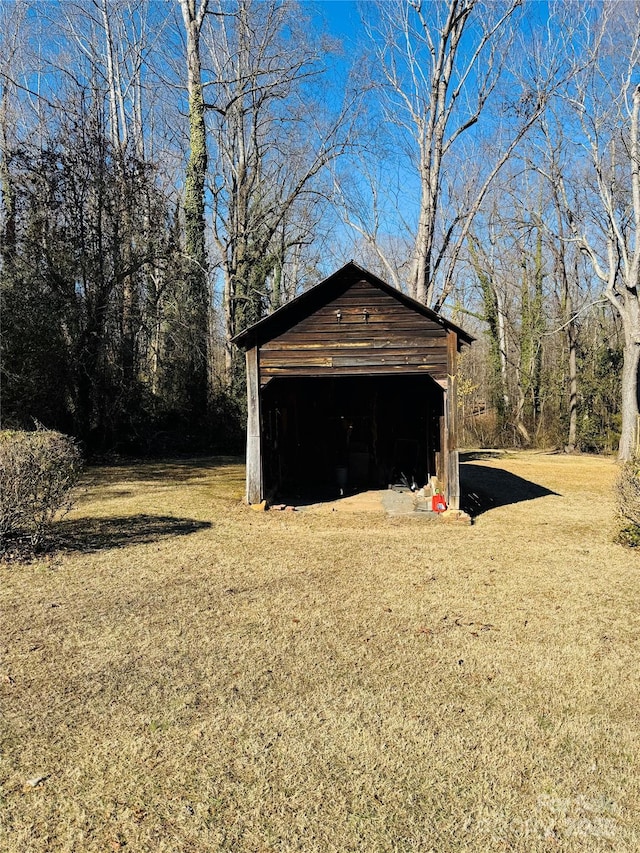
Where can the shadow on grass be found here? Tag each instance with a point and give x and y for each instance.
(482, 453)
(100, 534)
(483, 489)
(170, 470)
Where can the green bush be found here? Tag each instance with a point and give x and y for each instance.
(37, 473)
(628, 495)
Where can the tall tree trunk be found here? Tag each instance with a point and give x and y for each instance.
(538, 329)
(572, 337)
(631, 363)
(196, 294)
(7, 192)
(432, 139)
(572, 340)
(519, 414)
(229, 325)
(493, 316)
(502, 347)
(114, 117)
(8, 207)
(566, 301)
(421, 283)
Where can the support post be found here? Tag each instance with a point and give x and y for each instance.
(451, 423)
(443, 467)
(255, 486)
(442, 455)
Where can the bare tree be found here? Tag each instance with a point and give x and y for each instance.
(272, 140)
(10, 47)
(606, 103)
(441, 65)
(551, 162)
(368, 206)
(509, 267)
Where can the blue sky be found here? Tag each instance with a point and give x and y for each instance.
(341, 16)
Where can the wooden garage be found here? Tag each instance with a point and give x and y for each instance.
(350, 386)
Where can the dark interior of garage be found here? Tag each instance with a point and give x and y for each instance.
(326, 437)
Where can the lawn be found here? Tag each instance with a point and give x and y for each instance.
(186, 674)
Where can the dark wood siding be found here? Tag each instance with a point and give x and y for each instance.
(373, 335)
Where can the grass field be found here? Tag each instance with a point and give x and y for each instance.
(185, 674)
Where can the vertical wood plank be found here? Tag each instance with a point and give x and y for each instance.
(443, 475)
(255, 486)
(451, 408)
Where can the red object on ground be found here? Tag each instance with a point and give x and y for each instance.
(438, 503)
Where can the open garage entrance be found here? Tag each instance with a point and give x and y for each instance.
(328, 436)
(351, 385)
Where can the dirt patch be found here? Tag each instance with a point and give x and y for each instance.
(370, 501)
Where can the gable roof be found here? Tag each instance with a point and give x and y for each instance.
(324, 292)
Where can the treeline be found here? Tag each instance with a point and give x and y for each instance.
(501, 408)
(149, 215)
(92, 272)
(171, 172)
(546, 369)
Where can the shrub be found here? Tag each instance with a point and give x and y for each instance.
(37, 472)
(628, 494)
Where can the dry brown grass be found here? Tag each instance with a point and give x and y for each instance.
(205, 678)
